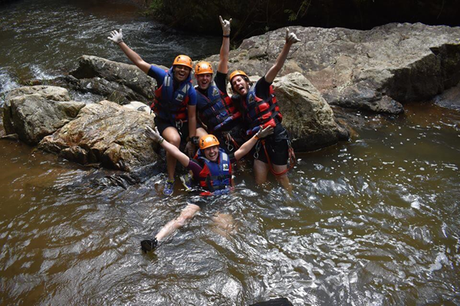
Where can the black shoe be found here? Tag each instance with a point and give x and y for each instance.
(148, 245)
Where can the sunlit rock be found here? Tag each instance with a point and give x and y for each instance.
(138, 106)
(118, 82)
(104, 133)
(36, 111)
(306, 115)
(377, 70)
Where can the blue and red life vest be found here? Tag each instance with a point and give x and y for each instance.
(215, 175)
(170, 104)
(219, 110)
(260, 112)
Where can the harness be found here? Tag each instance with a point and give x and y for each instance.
(170, 104)
(215, 176)
(230, 143)
(260, 112)
(291, 162)
(219, 110)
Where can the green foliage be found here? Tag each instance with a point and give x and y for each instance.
(155, 7)
(300, 13)
(258, 16)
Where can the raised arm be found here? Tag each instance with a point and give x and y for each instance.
(291, 39)
(117, 37)
(249, 144)
(170, 148)
(225, 48)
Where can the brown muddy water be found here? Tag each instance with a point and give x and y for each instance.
(373, 221)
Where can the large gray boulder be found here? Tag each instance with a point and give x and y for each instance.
(376, 70)
(118, 82)
(306, 115)
(34, 112)
(105, 133)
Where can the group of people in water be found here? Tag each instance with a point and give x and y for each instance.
(217, 128)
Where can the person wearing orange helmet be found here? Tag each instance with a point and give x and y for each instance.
(174, 104)
(259, 105)
(211, 167)
(215, 108)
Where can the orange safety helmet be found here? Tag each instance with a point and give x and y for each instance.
(237, 72)
(207, 141)
(183, 60)
(203, 68)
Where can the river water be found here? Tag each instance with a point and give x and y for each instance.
(373, 221)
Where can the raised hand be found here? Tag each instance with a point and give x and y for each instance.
(225, 25)
(262, 133)
(153, 134)
(116, 37)
(291, 38)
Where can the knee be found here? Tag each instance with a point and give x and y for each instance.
(172, 136)
(175, 140)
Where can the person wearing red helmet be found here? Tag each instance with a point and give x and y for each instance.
(215, 108)
(211, 167)
(260, 109)
(174, 104)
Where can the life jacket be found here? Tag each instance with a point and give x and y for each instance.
(215, 176)
(219, 110)
(261, 112)
(170, 104)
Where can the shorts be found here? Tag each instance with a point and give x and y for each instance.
(215, 201)
(180, 126)
(278, 151)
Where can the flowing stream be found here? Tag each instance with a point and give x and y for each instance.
(373, 221)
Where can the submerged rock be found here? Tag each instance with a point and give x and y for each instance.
(449, 99)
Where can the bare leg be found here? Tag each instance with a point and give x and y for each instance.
(225, 224)
(172, 136)
(283, 179)
(186, 215)
(260, 171)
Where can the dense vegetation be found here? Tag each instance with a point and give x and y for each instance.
(255, 17)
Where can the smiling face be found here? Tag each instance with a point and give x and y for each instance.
(239, 85)
(212, 153)
(204, 80)
(181, 72)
